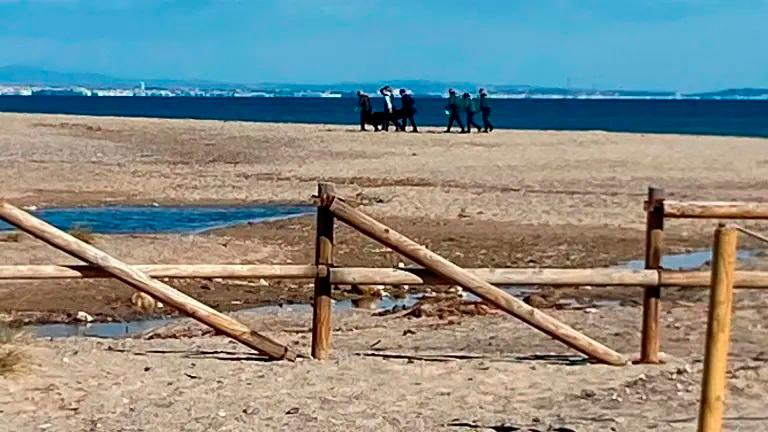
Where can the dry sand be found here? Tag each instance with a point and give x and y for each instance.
(511, 198)
(535, 177)
(210, 383)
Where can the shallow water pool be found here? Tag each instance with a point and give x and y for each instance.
(685, 261)
(161, 219)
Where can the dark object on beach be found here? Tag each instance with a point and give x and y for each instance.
(453, 110)
(379, 119)
(485, 110)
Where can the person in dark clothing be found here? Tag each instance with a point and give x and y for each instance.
(485, 110)
(470, 108)
(365, 108)
(408, 109)
(453, 107)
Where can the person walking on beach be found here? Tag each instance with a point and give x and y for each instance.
(452, 108)
(485, 110)
(470, 108)
(387, 92)
(408, 109)
(365, 108)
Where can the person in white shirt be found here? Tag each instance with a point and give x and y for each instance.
(389, 96)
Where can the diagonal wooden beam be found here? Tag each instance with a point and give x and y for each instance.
(140, 281)
(495, 296)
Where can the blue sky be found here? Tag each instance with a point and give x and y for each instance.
(687, 45)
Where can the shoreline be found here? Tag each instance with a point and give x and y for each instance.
(428, 128)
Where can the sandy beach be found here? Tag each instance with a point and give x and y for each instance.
(506, 199)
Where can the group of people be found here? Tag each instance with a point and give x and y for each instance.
(400, 117)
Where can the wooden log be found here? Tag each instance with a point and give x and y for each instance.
(715, 210)
(191, 271)
(713, 383)
(510, 276)
(397, 276)
(140, 281)
(446, 269)
(650, 343)
(322, 310)
(698, 279)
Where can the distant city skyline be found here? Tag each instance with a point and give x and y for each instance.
(678, 45)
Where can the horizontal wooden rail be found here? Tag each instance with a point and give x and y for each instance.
(549, 277)
(202, 271)
(396, 276)
(702, 279)
(501, 276)
(715, 210)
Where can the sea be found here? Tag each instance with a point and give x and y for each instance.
(686, 116)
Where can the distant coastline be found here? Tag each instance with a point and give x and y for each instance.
(29, 81)
(295, 91)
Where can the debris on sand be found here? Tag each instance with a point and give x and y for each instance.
(368, 199)
(376, 291)
(178, 331)
(84, 317)
(441, 308)
(543, 299)
(10, 360)
(11, 357)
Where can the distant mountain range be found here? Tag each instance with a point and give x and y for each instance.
(16, 75)
(26, 75)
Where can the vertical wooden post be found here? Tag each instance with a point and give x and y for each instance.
(713, 382)
(654, 239)
(321, 318)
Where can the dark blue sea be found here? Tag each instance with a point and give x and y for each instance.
(709, 117)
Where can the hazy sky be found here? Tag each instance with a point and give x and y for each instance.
(639, 44)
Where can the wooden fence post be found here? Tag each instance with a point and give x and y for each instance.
(654, 238)
(321, 314)
(713, 382)
(491, 294)
(140, 281)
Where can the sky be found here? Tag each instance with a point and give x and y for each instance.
(686, 45)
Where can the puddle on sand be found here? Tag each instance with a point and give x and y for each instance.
(162, 219)
(685, 261)
(126, 329)
(115, 330)
(110, 330)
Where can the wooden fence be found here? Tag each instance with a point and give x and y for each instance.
(713, 381)
(658, 209)
(435, 270)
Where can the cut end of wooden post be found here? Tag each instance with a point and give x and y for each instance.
(656, 197)
(326, 193)
(289, 355)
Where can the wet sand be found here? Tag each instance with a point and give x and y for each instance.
(511, 376)
(511, 198)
